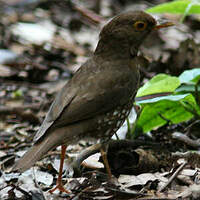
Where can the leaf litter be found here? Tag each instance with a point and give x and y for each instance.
(39, 51)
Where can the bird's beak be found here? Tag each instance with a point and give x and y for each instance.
(163, 25)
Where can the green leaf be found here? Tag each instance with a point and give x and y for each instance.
(170, 108)
(186, 88)
(177, 7)
(17, 94)
(158, 84)
(190, 76)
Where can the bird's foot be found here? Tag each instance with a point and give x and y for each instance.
(60, 187)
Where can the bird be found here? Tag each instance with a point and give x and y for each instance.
(100, 95)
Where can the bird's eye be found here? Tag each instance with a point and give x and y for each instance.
(140, 25)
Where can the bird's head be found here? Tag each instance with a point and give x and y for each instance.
(128, 30)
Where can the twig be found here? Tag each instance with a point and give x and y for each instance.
(186, 155)
(27, 195)
(16, 109)
(190, 125)
(173, 176)
(90, 15)
(80, 193)
(183, 138)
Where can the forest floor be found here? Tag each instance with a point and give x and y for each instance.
(42, 44)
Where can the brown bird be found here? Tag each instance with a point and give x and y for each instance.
(99, 97)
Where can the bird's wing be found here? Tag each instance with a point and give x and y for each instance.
(89, 93)
(62, 100)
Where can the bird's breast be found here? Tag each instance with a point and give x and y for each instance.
(107, 124)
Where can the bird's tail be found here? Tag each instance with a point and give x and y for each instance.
(51, 139)
(35, 153)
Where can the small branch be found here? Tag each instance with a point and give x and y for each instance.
(183, 138)
(173, 176)
(192, 124)
(90, 15)
(16, 109)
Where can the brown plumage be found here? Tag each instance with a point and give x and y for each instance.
(97, 100)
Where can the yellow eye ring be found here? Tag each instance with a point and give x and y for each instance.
(140, 25)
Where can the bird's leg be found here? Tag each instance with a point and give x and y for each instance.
(103, 151)
(59, 184)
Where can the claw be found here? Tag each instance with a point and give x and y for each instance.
(60, 187)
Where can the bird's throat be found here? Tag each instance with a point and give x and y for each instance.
(115, 49)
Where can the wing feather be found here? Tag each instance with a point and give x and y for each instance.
(90, 93)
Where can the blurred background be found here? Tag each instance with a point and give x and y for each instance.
(43, 43)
